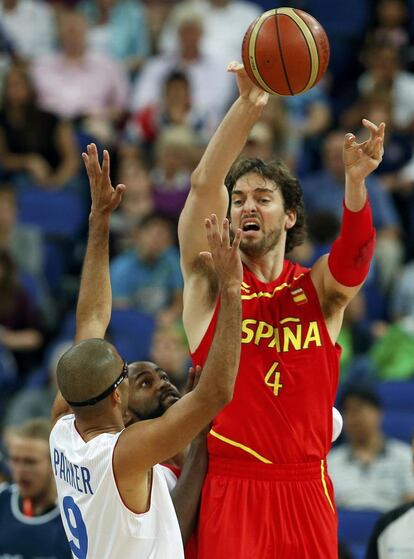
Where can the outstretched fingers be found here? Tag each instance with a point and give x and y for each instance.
(236, 241)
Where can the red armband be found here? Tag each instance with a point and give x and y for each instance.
(352, 252)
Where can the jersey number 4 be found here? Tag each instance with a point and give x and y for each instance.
(76, 525)
(272, 379)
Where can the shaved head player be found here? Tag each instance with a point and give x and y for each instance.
(113, 496)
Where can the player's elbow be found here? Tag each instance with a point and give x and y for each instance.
(198, 178)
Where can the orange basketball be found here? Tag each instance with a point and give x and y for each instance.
(285, 51)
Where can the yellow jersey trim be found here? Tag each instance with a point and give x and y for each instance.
(325, 488)
(241, 446)
(268, 294)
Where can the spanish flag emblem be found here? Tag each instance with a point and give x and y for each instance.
(299, 296)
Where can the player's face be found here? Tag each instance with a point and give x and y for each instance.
(257, 209)
(29, 462)
(150, 391)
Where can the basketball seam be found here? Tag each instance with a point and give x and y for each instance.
(308, 47)
(253, 63)
(281, 53)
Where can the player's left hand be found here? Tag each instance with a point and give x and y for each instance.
(362, 159)
(105, 198)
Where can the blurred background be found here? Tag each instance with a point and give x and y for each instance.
(146, 79)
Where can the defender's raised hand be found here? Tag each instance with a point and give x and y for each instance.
(225, 256)
(362, 159)
(105, 198)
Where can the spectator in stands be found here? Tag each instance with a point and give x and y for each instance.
(30, 522)
(75, 83)
(385, 71)
(369, 471)
(309, 116)
(170, 351)
(392, 536)
(33, 142)
(324, 190)
(30, 25)
(177, 152)
(391, 25)
(393, 351)
(20, 323)
(118, 28)
(137, 202)
(36, 401)
(224, 22)
(24, 242)
(211, 89)
(148, 277)
(175, 107)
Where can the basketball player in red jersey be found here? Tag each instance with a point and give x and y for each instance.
(267, 493)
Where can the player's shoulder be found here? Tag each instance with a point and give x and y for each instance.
(294, 271)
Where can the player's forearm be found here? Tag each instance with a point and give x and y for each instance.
(355, 195)
(225, 145)
(219, 373)
(186, 494)
(93, 310)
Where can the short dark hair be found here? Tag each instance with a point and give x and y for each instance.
(365, 393)
(289, 186)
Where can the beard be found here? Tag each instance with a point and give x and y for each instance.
(261, 247)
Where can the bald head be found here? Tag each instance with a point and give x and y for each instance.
(88, 369)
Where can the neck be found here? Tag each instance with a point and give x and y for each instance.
(369, 448)
(89, 430)
(266, 267)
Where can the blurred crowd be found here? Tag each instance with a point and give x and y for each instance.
(147, 80)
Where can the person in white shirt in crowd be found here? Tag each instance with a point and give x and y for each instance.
(211, 89)
(30, 25)
(392, 536)
(225, 23)
(77, 84)
(369, 471)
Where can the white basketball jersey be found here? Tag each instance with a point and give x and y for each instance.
(97, 523)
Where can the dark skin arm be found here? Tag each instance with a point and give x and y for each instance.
(186, 494)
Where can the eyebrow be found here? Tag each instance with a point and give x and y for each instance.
(259, 189)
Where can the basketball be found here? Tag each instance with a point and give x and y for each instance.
(285, 51)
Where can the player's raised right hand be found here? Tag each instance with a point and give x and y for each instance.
(224, 255)
(105, 198)
(247, 89)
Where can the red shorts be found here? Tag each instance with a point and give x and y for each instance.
(253, 510)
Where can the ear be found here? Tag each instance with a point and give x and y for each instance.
(116, 397)
(290, 219)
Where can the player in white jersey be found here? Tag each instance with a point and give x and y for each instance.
(113, 496)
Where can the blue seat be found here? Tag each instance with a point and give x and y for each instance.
(355, 527)
(57, 214)
(397, 395)
(131, 332)
(399, 425)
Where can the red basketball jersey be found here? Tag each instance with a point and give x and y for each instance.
(281, 411)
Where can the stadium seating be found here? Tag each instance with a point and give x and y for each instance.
(397, 395)
(355, 528)
(131, 333)
(399, 425)
(57, 214)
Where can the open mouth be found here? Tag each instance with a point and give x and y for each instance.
(250, 226)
